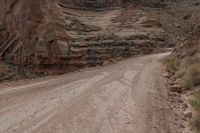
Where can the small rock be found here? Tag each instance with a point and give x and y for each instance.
(105, 63)
(170, 100)
(182, 126)
(140, 14)
(178, 25)
(165, 75)
(177, 81)
(188, 114)
(183, 118)
(180, 101)
(176, 88)
(185, 106)
(128, 122)
(187, 16)
(172, 83)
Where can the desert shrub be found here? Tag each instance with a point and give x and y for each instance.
(180, 73)
(192, 76)
(188, 70)
(188, 61)
(196, 102)
(172, 66)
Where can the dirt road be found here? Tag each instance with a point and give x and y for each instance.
(127, 97)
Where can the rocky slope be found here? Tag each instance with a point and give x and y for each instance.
(189, 32)
(55, 36)
(190, 46)
(184, 65)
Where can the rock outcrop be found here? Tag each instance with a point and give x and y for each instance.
(46, 33)
(190, 46)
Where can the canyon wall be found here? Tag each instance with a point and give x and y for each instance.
(47, 33)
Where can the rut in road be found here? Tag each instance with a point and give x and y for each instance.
(121, 98)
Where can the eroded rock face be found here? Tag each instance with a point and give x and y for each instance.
(190, 46)
(33, 34)
(54, 35)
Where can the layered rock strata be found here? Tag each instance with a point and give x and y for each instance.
(46, 33)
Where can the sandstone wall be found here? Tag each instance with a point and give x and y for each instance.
(45, 33)
(33, 26)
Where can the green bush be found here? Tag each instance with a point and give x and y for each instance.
(196, 102)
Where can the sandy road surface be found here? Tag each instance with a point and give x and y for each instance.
(127, 97)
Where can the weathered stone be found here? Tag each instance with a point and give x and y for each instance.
(188, 114)
(165, 75)
(176, 88)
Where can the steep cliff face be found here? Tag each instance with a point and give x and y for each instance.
(47, 33)
(33, 26)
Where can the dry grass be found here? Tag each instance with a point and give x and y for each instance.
(192, 76)
(188, 71)
(180, 73)
(195, 124)
(172, 66)
(196, 102)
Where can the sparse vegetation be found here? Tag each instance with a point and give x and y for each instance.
(196, 105)
(196, 102)
(188, 70)
(180, 73)
(172, 66)
(191, 76)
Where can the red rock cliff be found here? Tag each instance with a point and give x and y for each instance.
(48, 32)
